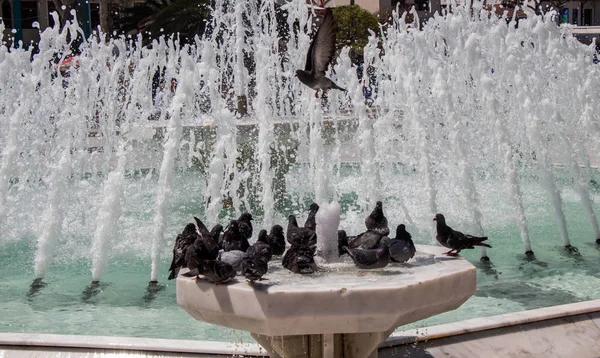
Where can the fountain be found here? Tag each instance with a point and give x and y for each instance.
(491, 124)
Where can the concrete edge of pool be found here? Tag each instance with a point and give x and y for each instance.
(23, 344)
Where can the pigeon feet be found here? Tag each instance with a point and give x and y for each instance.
(451, 253)
(323, 95)
(317, 94)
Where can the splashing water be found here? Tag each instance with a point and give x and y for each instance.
(84, 146)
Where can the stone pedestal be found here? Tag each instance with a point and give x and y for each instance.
(340, 312)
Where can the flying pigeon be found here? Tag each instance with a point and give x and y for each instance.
(182, 242)
(319, 56)
(370, 259)
(377, 222)
(311, 220)
(455, 240)
(402, 247)
(300, 235)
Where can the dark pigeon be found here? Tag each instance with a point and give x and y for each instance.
(233, 239)
(300, 235)
(300, 259)
(215, 271)
(370, 259)
(402, 247)
(234, 258)
(276, 240)
(311, 220)
(182, 242)
(319, 56)
(261, 247)
(377, 222)
(455, 240)
(365, 241)
(216, 232)
(254, 267)
(212, 246)
(245, 225)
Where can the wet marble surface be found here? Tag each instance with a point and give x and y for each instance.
(339, 299)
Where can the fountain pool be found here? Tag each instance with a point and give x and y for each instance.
(495, 126)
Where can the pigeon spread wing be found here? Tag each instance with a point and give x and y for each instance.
(322, 47)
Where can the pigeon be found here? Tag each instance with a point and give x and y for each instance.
(233, 239)
(260, 247)
(215, 271)
(365, 241)
(402, 247)
(182, 242)
(276, 240)
(311, 222)
(377, 222)
(211, 245)
(455, 240)
(300, 235)
(216, 232)
(319, 56)
(300, 259)
(254, 267)
(245, 225)
(370, 259)
(198, 253)
(233, 257)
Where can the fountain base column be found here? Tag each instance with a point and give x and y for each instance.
(338, 345)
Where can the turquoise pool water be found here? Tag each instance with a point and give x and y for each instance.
(123, 306)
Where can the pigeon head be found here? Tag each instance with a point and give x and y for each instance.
(401, 232)
(245, 217)
(262, 236)
(216, 230)
(313, 207)
(342, 235)
(233, 225)
(277, 229)
(189, 229)
(439, 218)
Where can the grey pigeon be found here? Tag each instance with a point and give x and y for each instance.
(254, 267)
(402, 247)
(261, 247)
(216, 271)
(365, 241)
(300, 259)
(455, 240)
(276, 240)
(311, 220)
(319, 56)
(182, 242)
(245, 225)
(300, 235)
(377, 222)
(370, 259)
(233, 257)
(233, 238)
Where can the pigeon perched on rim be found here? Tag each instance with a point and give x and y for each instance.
(276, 239)
(215, 271)
(233, 257)
(311, 220)
(402, 247)
(300, 259)
(377, 222)
(261, 247)
(233, 238)
(300, 235)
(319, 56)
(455, 240)
(182, 242)
(370, 259)
(254, 267)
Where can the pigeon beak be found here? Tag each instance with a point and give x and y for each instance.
(434, 219)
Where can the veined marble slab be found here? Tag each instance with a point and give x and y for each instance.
(339, 299)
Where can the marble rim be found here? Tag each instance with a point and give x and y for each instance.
(250, 349)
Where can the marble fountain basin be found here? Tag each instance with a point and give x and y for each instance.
(339, 299)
